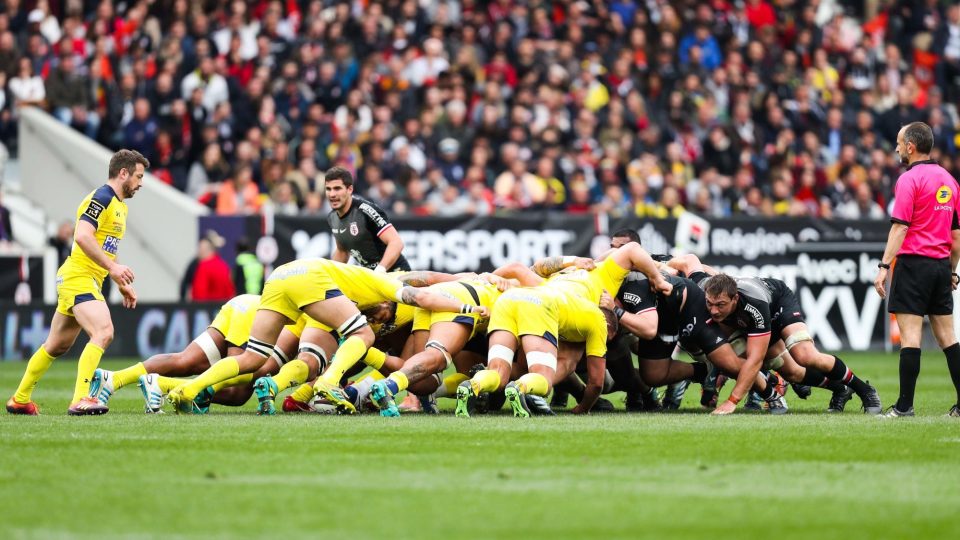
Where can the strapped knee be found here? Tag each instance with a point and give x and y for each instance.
(797, 337)
(434, 344)
(500, 352)
(352, 325)
(260, 348)
(776, 362)
(279, 356)
(315, 351)
(210, 349)
(537, 358)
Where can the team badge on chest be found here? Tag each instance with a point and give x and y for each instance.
(354, 230)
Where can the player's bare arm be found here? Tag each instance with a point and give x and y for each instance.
(551, 265)
(85, 237)
(596, 372)
(391, 238)
(898, 231)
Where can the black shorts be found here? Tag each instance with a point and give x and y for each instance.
(788, 312)
(921, 286)
(655, 349)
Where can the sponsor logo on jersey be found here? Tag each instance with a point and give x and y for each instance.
(944, 194)
(631, 298)
(755, 313)
(110, 244)
(94, 209)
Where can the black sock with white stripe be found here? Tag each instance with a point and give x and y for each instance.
(845, 375)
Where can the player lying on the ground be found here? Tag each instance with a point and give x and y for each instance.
(330, 293)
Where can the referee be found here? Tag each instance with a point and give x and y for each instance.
(925, 238)
(361, 228)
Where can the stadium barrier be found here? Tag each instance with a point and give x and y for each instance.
(830, 264)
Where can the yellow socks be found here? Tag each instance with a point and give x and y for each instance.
(533, 383)
(449, 385)
(291, 374)
(167, 384)
(219, 372)
(375, 358)
(128, 376)
(38, 365)
(400, 379)
(350, 351)
(303, 393)
(89, 360)
(487, 380)
(239, 380)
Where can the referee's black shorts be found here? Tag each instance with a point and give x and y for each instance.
(921, 286)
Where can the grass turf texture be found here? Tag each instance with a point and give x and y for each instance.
(232, 474)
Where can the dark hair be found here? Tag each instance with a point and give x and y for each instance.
(720, 284)
(613, 324)
(627, 233)
(339, 173)
(243, 244)
(920, 135)
(126, 159)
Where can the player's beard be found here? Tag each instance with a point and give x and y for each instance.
(128, 190)
(905, 160)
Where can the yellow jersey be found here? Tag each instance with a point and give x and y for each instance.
(582, 322)
(607, 276)
(108, 215)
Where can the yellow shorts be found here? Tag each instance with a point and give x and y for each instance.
(310, 322)
(75, 286)
(294, 285)
(424, 319)
(235, 318)
(527, 312)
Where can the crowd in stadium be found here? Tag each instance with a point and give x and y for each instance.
(452, 107)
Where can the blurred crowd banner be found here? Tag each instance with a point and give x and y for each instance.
(138, 334)
(830, 264)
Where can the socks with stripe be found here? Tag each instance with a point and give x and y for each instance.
(842, 373)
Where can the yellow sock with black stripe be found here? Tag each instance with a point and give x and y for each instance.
(348, 354)
(449, 385)
(219, 372)
(89, 360)
(398, 381)
(291, 374)
(487, 380)
(303, 393)
(38, 365)
(239, 380)
(534, 383)
(128, 375)
(375, 358)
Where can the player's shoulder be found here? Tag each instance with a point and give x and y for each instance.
(368, 207)
(754, 288)
(103, 195)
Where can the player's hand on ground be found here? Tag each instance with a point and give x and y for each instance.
(579, 410)
(606, 301)
(726, 407)
(880, 283)
(122, 274)
(584, 263)
(129, 296)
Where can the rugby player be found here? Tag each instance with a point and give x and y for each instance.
(330, 293)
(101, 224)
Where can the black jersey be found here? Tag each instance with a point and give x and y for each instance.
(358, 233)
(758, 300)
(636, 297)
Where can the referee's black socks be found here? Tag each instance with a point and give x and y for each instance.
(953, 362)
(909, 371)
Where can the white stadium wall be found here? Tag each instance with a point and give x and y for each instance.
(59, 167)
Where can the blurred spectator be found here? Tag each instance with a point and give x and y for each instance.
(248, 271)
(207, 278)
(68, 93)
(238, 195)
(62, 241)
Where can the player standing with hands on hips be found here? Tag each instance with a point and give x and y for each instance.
(925, 238)
(101, 223)
(361, 228)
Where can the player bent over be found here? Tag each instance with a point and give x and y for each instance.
(326, 291)
(101, 224)
(439, 336)
(767, 310)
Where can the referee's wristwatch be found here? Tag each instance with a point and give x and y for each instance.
(884, 266)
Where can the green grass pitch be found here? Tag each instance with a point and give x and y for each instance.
(232, 474)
